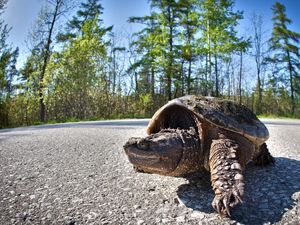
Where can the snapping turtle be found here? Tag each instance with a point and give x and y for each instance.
(194, 133)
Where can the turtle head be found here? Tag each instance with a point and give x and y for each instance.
(164, 153)
(157, 153)
(173, 145)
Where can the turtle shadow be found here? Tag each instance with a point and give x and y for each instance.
(269, 192)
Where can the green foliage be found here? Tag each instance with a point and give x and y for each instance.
(183, 47)
(8, 71)
(74, 73)
(218, 23)
(286, 53)
(89, 10)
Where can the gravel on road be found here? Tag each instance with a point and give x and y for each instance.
(78, 173)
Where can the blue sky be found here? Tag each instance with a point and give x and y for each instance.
(264, 7)
(21, 14)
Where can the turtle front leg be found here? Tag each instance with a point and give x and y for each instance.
(226, 175)
(262, 156)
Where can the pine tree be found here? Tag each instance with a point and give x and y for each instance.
(147, 43)
(218, 22)
(87, 11)
(8, 71)
(168, 15)
(188, 20)
(286, 52)
(2, 4)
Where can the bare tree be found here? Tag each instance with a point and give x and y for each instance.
(259, 54)
(41, 37)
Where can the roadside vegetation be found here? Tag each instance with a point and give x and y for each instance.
(79, 69)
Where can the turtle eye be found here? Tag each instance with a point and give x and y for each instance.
(143, 144)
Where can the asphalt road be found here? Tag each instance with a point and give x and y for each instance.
(77, 173)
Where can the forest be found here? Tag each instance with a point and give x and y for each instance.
(80, 69)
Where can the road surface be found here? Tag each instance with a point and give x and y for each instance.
(77, 173)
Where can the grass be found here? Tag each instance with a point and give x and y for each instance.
(273, 116)
(74, 120)
(131, 116)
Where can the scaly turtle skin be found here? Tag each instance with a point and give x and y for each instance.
(195, 133)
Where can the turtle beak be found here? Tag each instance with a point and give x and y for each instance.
(154, 154)
(138, 154)
(129, 144)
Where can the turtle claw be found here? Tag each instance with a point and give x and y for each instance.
(223, 202)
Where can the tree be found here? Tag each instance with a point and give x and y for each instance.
(168, 20)
(188, 20)
(218, 22)
(2, 5)
(88, 10)
(42, 39)
(8, 71)
(286, 52)
(259, 54)
(243, 48)
(91, 10)
(77, 73)
(29, 87)
(147, 43)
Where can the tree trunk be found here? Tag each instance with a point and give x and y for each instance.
(240, 78)
(291, 82)
(206, 74)
(182, 78)
(217, 75)
(46, 60)
(259, 93)
(152, 82)
(114, 73)
(136, 83)
(189, 77)
(209, 56)
(170, 66)
(257, 40)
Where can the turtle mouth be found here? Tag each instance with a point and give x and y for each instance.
(153, 158)
(137, 156)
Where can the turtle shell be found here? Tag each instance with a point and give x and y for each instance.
(187, 111)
